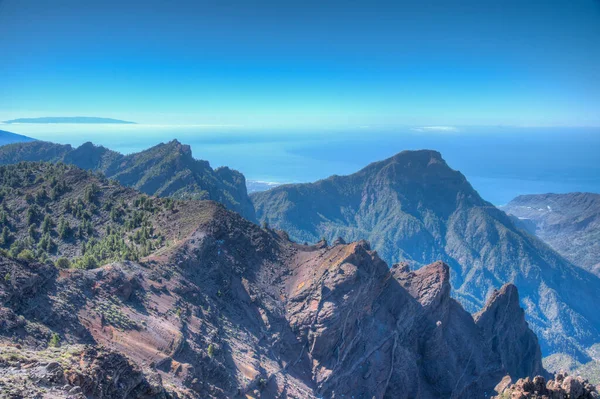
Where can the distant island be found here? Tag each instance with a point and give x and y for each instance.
(69, 119)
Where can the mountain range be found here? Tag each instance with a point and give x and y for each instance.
(10, 138)
(569, 223)
(164, 170)
(109, 293)
(413, 207)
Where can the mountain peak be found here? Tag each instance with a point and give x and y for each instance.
(430, 285)
(502, 321)
(419, 154)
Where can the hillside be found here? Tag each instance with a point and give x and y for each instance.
(413, 207)
(224, 309)
(62, 215)
(10, 138)
(166, 170)
(569, 223)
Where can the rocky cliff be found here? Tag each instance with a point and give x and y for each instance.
(413, 207)
(232, 310)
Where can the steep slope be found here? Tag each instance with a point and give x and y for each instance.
(233, 310)
(569, 223)
(413, 207)
(503, 324)
(10, 138)
(166, 170)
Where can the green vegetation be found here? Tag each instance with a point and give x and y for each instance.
(54, 340)
(211, 350)
(7, 277)
(165, 170)
(62, 263)
(62, 215)
(111, 313)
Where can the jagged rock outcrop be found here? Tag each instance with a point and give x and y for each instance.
(561, 387)
(503, 324)
(75, 372)
(167, 170)
(413, 207)
(233, 310)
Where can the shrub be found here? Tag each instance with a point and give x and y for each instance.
(26, 254)
(211, 350)
(54, 340)
(86, 262)
(62, 263)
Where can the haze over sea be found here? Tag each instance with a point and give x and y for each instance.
(500, 162)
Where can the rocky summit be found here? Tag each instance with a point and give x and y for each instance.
(414, 208)
(224, 309)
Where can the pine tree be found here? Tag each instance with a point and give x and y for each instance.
(64, 229)
(47, 224)
(5, 236)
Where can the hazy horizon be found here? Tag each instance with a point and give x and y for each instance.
(500, 162)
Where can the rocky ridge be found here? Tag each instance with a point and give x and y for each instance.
(166, 170)
(414, 208)
(233, 310)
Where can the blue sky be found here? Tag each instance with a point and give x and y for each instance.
(303, 63)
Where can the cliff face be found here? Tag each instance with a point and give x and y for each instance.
(233, 310)
(166, 170)
(503, 324)
(413, 207)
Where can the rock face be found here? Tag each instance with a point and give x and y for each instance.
(569, 223)
(503, 324)
(75, 372)
(562, 387)
(233, 310)
(166, 170)
(413, 207)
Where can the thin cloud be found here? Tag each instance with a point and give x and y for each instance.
(435, 129)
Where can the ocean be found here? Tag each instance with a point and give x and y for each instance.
(500, 162)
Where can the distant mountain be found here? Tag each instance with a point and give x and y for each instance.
(413, 207)
(10, 138)
(68, 119)
(108, 293)
(569, 223)
(166, 170)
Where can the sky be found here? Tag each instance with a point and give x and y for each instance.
(307, 63)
